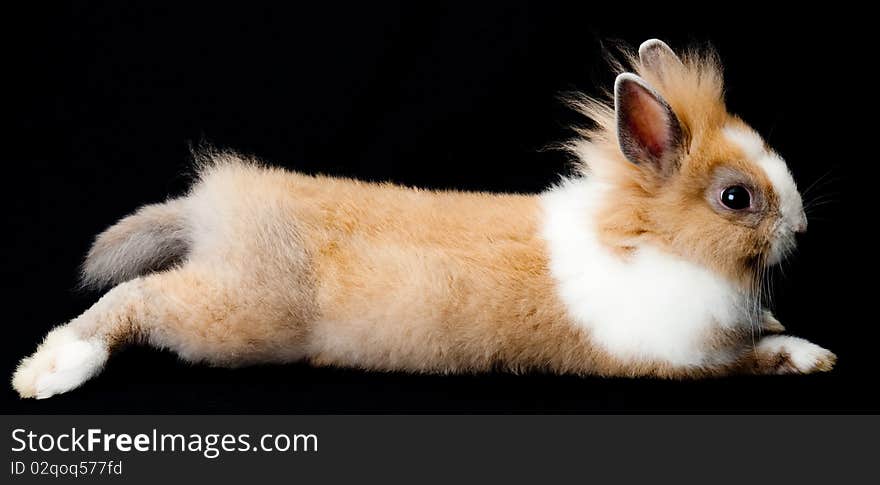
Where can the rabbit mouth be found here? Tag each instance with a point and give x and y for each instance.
(782, 246)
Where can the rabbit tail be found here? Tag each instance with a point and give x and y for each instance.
(152, 239)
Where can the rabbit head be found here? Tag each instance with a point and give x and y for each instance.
(685, 174)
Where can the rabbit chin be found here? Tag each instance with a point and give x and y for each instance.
(783, 244)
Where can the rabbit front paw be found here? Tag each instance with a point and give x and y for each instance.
(784, 354)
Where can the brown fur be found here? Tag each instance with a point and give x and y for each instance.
(408, 279)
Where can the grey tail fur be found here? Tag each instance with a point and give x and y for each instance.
(154, 238)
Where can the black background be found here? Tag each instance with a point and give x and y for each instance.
(105, 99)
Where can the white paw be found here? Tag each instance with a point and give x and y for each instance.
(796, 355)
(62, 362)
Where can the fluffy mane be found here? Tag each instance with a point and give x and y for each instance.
(693, 87)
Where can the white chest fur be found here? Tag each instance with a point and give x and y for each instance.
(652, 306)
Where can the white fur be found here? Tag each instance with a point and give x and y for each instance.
(653, 306)
(61, 363)
(804, 356)
(790, 204)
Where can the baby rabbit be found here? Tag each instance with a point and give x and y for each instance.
(647, 264)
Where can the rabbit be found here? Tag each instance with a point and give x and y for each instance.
(647, 262)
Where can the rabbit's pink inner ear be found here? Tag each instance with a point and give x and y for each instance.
(646, 121)
(648, 131)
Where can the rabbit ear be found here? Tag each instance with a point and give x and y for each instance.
(654, 54)
(648, 131)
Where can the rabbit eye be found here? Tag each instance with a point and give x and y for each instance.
(736, 197)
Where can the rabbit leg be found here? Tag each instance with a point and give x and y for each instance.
(186, 312)
(784, 354)
(74, 352)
